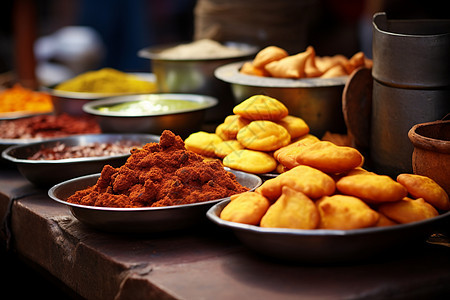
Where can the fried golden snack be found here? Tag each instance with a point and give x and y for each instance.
(292, 66)
(311, 69)
(312, 182)
(267, 55)
(261, 107)
(263, 136)
(424, 187)
(372, 188)
(203, 143)
(292, 210)
(336, 71)
(220, 133)
(408, 210)
(384, 221)
(325, 63)
(287, 155)
(250, 161)
(249, 69)
(226, 147)
(345, 212)
(296, 126)
(232, 124)
(358, 170)
(329, 158)
(356, 61)
(246, 208)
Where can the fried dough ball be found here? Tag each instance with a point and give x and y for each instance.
(408, 210)
(267, 55)
(246, 208)
(203, 143)
(226, 147)
(312, 182)
(261, 107)
(329, 157)
(345, 212)
(292, 66)
(263, 136)
(231, 126)
(296, 126)
(250, 161)
(424, 187)
(372, 188)
(292, 210)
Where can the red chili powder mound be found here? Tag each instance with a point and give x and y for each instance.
(160, 174)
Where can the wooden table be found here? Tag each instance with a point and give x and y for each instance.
(199, 263)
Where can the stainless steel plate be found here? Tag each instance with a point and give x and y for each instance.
(138, 220)
(50, 172)
(326, 246)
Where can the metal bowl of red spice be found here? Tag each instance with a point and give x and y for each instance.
(49, 162)
(140, 219)
(37, 128)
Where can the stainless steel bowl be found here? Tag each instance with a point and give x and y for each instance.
(138, 220)
(72, 102)
(318, 101)
(50, 172)
(328, 246)
(196, 76)
(180, 122)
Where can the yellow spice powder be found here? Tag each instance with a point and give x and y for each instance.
(108, 81)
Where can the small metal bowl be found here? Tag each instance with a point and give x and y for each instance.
(139, 220)
(72, 102)
(49, 172)
(196, 76)
(181, 122)
(325, 245)
(318, 101)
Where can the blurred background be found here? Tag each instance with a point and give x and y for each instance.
(47, 41)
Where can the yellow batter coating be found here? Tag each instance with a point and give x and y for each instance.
(263, 136)
(203, 143)
(261, 107)
(292, 210)
(408, 210)
(372, 188)
(312, 182)
(345, 212)
(247, 208)
(250, 161)
(419, 186)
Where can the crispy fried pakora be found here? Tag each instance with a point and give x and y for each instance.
(292, 210)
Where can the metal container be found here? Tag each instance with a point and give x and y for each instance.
(139, 220)
(196, 76)
(394, 112)
(411, 53)
(181, 122)
(322, 246)
(318, 101)
(411, 84)
(72, 102)
(50, 172)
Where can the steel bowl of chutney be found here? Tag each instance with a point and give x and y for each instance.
(151, 113)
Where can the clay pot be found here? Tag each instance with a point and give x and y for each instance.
(431, 155)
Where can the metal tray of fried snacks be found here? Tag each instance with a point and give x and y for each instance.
(325, 245)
